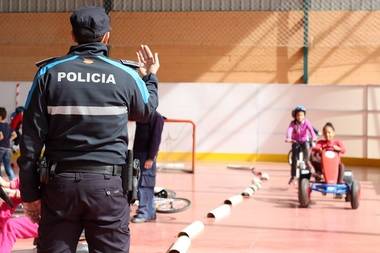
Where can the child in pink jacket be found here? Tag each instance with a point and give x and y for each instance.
(300, 133)
(13, 228)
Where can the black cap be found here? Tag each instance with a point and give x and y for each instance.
(90, 22)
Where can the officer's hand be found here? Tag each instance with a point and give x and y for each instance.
(148, 164)
(150, 64)
(33, 210)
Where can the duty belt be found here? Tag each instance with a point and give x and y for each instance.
(114, 170)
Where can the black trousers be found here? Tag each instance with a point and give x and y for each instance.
(72, 202)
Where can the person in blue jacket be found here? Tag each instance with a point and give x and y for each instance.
(145, 148)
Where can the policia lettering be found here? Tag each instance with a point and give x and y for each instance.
(86, 77)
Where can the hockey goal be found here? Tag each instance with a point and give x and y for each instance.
(177, 149)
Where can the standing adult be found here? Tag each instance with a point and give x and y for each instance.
(145, 148)
(78, 108)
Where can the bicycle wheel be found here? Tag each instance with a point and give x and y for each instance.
(171, 205)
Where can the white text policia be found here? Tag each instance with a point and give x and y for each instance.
(86, 77)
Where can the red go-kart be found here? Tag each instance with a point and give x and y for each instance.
(330, 161)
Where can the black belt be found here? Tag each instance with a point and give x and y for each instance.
(114, 170)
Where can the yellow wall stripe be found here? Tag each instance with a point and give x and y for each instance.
(243, 157)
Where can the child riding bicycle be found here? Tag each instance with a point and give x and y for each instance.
(299, 133)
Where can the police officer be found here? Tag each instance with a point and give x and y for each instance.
(78, 109)
(145, 148)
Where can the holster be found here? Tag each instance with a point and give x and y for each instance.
(130, 175)
(45, 169)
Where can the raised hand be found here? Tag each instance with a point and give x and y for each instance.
(149, 63)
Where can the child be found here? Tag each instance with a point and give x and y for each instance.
(6, 135)
(16, 123)
(145, 148)
(13, 228)
(329, 143)
(299, 131)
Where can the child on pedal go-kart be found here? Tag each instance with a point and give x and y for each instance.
(300, 133)
(329, 143)
(335, 179)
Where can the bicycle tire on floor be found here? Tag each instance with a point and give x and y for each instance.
(173, 205)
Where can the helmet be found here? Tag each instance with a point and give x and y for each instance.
(299, 108)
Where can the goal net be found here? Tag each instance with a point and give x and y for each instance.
(177, 149)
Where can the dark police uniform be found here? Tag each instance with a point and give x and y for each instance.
(146, 144)
(78, 108)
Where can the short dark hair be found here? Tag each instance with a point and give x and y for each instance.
(82, 39)
(328, 124)
(3, 113)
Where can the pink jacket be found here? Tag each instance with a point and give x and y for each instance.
(5, 211)
(301, 132)
(13, 228)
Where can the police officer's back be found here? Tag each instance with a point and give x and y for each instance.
(78, 108)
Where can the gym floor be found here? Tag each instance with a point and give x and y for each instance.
(269, 221)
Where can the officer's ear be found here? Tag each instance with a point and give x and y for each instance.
(106, 38)
(73, 37)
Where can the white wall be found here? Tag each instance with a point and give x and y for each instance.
(253, 118)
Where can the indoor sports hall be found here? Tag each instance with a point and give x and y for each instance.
(234, 76)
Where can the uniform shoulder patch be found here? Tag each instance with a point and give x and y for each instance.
(131, 64)
(45, 61)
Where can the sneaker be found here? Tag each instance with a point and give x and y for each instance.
(139, 219)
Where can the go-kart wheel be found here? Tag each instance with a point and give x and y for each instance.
(355, 194)
(304, 192)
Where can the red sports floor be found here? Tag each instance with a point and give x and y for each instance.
(269, 221)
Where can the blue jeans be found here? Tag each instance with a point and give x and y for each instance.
(5, 158)
(147, 182)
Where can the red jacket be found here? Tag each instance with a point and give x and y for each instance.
(329, 145)
(16, 121)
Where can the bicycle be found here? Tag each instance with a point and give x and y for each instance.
(167, 202)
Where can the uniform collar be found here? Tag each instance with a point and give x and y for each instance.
(95, 48)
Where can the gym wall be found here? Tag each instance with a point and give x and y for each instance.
(242, 122)
(245, 47)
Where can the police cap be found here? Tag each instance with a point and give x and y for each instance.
(90, 22)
